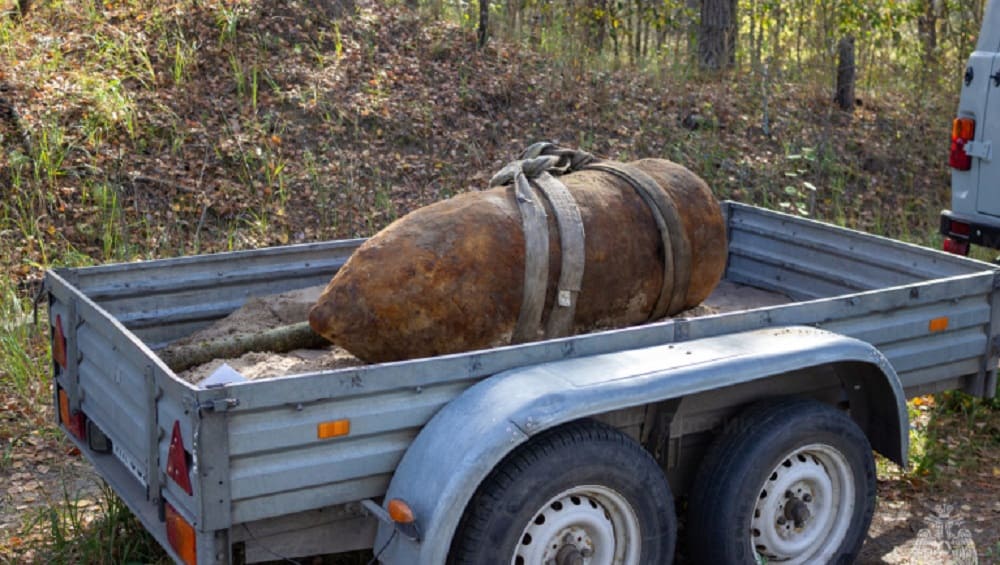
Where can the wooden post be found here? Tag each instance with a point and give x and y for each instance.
(845, 74)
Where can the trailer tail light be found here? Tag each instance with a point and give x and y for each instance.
(963, 130)
(76, 422)
(177, 460)
(59, 343)
(180, 535)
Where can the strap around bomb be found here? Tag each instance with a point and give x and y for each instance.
(676, 249)
(534, 165)
(534, 221)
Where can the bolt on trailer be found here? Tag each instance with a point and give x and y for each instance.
(762, 414)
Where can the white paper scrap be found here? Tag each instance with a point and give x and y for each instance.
(223, 375)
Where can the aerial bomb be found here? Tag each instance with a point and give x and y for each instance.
(457, 275)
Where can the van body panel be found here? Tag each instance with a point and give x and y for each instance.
(989, 36)
(988, 132)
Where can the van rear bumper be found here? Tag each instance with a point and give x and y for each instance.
(977, 229)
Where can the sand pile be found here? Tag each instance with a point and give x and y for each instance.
(261, 314)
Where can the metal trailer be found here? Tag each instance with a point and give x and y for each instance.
(251, 476)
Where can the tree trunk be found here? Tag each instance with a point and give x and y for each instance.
(599, 25)
(776, 58)
(484, 21)
(798, 34)
(845, 74)
(927, 29)
(637, 33)
(691, 25)
(717, 34)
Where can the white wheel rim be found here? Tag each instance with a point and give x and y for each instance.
(804, 508)
(592, 522)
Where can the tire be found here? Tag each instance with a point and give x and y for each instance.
(583, 489)
(793, 483)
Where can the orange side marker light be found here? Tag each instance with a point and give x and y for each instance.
(333, 428)
(938, 324)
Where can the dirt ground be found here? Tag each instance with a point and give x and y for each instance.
(933, 526)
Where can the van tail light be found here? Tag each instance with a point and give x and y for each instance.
(177, 460)
(960, 229)
(963, 130)
(956, 246)
(75, 422)
(180, 535)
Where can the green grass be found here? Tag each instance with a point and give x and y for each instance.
(101, 531)
(23, 349)
(952, 434)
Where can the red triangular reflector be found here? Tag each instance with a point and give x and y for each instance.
(177, 468)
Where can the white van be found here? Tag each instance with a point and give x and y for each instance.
(974, 217)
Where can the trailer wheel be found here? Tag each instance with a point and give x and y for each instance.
(793, 482)
(580, 493)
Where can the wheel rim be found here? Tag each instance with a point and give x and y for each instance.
(804, 508)
(584, 525)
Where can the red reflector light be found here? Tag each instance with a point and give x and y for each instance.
(177, 467)
(59, 343)
(963, 130)
(76, 422)
(955, 246)
(180, 535)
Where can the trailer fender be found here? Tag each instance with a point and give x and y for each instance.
(466, 439)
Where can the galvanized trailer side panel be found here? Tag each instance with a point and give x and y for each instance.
(163, 300)
(892, 289)
(270, 463)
